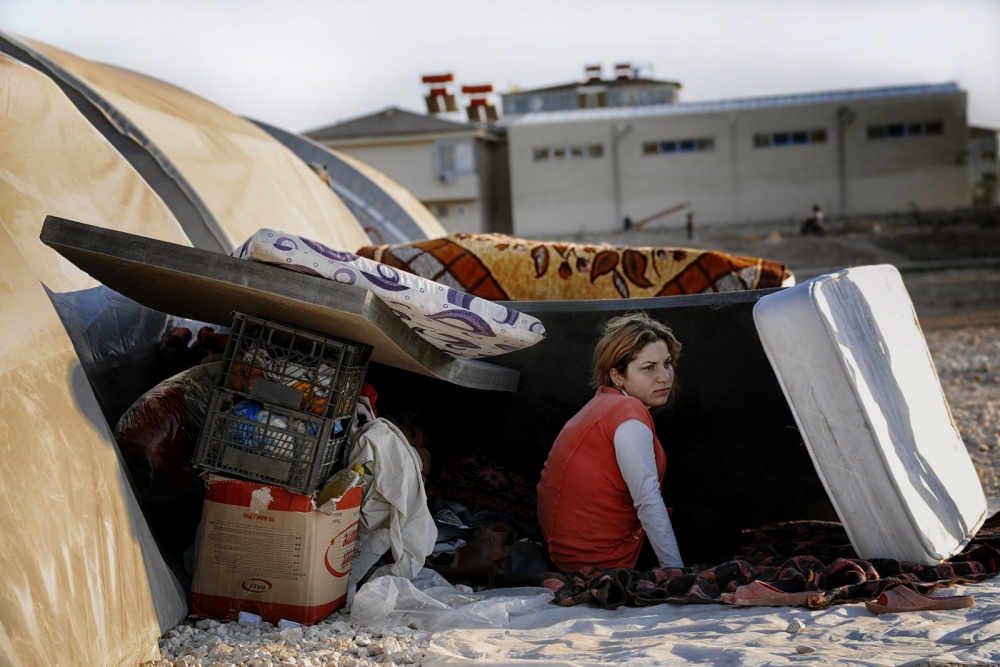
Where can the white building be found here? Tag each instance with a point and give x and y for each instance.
(745, 160)
(458, 170)
(583, 156)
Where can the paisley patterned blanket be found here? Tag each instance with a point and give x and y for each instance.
(812, 556)
(500, 267)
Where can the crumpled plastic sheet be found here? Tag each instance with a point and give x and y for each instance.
(394, 513)
(429, 602)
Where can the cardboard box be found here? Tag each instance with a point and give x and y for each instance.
(264, 550)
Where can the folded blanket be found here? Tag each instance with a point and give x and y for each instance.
(811, 556)
(457, 323)
(499, 267)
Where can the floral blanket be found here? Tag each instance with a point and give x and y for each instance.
(500, 268)
(793, 557)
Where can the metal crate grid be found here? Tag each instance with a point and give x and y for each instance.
(269, 443)
(296, 368)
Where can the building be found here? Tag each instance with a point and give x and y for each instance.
(743, 160)
(457, 169)
(584, 156)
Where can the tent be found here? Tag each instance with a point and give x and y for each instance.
(236, 177)
(84, 582)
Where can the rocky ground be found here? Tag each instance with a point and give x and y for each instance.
(952, 273)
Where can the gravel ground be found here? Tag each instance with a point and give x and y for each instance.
(968, 364)
(334, 641)
(959, 311)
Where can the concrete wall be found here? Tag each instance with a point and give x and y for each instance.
(736, 181)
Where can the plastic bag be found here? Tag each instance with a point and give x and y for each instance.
(430, 603)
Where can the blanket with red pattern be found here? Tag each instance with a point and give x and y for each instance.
(813, 556)
(500, 267)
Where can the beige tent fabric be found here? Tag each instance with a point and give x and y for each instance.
(53, 162)
(409, 203)
(247, 179)
(82, 582)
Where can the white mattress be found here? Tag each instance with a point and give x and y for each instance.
(852, 361)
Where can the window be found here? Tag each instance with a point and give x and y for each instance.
(904, 130)
(670, 146)
(582, 152)
(790, 138)
(454, 157)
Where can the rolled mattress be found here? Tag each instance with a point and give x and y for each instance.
(852, 362)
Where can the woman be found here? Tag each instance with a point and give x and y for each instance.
(599, 498)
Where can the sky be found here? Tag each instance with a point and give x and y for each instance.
(305, 64)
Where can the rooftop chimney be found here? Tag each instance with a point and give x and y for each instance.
(623, 71)
(439, 97)
(480, 110)
(593, 73)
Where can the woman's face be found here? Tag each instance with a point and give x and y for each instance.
(650, 376)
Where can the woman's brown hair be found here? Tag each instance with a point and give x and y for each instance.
(622, 338)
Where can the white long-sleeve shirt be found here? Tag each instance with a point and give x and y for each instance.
(637, 462)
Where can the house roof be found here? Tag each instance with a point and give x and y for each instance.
(843, 96)
(389, 121)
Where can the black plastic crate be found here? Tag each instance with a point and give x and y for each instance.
(295, 368)
(286, 401)
(270, 443)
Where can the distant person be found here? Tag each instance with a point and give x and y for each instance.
(627, 223)
(814, 223)
(690, 225)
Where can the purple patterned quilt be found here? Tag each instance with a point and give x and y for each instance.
(453, 321)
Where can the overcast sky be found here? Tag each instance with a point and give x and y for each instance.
(303, 64)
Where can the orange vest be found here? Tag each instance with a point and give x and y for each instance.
(585, 509)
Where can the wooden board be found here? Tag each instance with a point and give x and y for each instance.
(210, 287)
